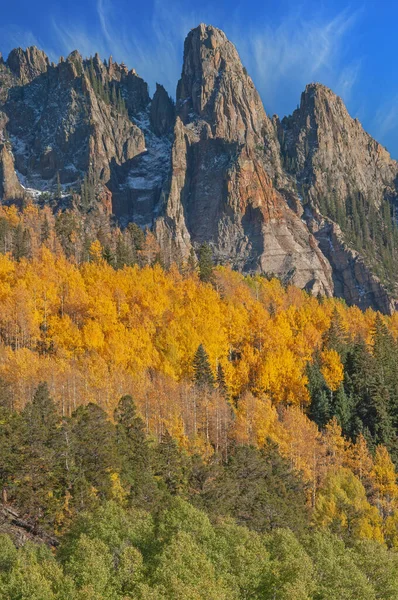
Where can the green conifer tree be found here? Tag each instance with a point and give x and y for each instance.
(108, 255)
(123, 253)
(21, 245)
(59, 188)
(342, 410)
(205, 263)
(171, 465)
(39, 474)
(320, 410)
(335, 338)
(94, 453)
(134, 452)
(45, 230)
(203, 375)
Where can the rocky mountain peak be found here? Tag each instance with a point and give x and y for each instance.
(215, 86)
(75, 56)
(331, 153)
(27, 64)
(345, 175)
(224, 159)
(325, 112)
(74, 63)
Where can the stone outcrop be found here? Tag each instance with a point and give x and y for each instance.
(10, 187)
(162, 112)
(336, 166)
(352, 278)
(27, 64)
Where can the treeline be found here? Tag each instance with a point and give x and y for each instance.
(80, 235)
(144, 519)
(370, 230)
(85, 233)
(107, 91)
(95, 332)
(53, 466)
(366, 398)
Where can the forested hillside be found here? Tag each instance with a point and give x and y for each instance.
(189, 433)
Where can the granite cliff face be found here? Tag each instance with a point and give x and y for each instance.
(60, 126)
(267, 195)
(224, 155)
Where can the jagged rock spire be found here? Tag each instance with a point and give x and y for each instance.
(162, 112)
(215, 86)
(27, 64)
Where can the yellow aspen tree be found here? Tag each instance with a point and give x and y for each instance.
(256, 421)
(95, 251)
(332, 369)
(385, 482)
(336, 446)
(302, 445)
(342, 507)
(359, 460)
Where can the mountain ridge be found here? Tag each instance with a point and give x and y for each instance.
(306, 198)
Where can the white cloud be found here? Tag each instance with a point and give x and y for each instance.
(384, 125)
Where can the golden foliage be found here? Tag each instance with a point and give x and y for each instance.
(95, 333)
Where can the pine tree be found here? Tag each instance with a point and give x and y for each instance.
(171, 465)
(59, 189)
(113, 95)
(123, 253)
(4, 233)
(320, 409)
(11, 448)
(88, 192)
(6, 395)
(335, 338)
(134, 452)
(39, 473)
(380, 422)
(45, 230)
(137, 238)
(371, 399)
(205, 263)
(108, 255)
(385, 352)
(203, 375)
(41, 416)
(94, 452)
(342, 410)
(21, 244)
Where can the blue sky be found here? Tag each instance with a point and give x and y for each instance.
(284, 44)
